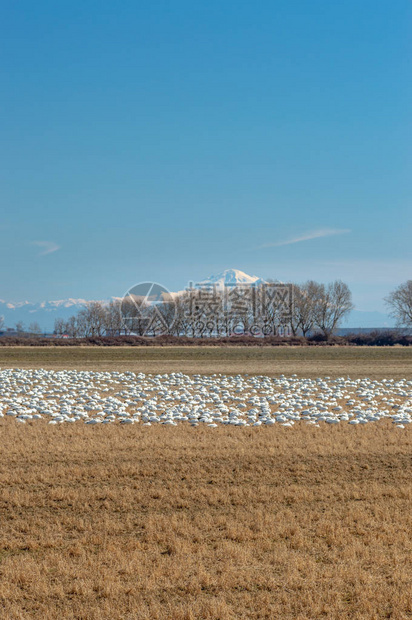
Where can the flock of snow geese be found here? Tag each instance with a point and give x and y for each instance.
(70, 396)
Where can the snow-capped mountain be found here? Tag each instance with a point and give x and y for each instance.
(230, 277)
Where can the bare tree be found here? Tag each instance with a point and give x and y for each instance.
(135, 315)
(179, 326)
(72, 328)
(20, 327)
(241, 309)
(303, 312)
(1, 323)
(166, 312)
(269, 320)
(400, 303)
(35, 329)
(59, 327)
(113, 322)
(331, 304)
(195, 312)
(91, 319)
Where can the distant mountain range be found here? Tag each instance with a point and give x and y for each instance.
(44, 313)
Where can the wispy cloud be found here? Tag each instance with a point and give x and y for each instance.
(48, 247)
(314, 234)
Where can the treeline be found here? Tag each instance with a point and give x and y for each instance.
(96, 319)
(308, 313)
(374, 338)
(267, 310)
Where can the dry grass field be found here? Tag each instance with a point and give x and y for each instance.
(225, 523)
(181, 523)
(374, 362)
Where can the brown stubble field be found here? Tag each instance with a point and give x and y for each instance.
(374, 362)
(181, 523)
(187, 523)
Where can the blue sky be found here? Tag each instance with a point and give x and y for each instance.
(167, 141)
